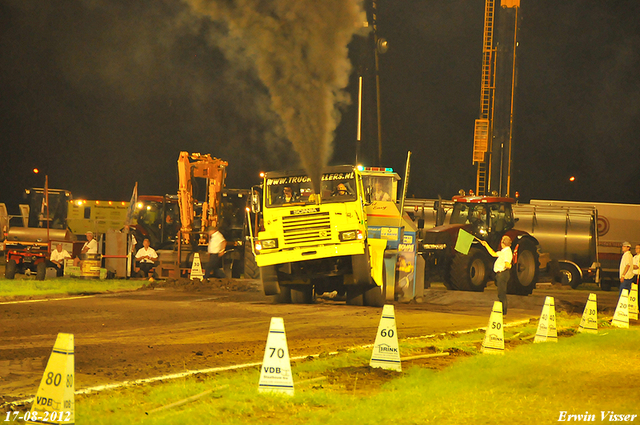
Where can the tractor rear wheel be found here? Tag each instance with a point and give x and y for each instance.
(10, 269)
(524, 273)
(470, 272)
(41, 270)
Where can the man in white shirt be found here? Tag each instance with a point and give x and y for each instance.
(217, 245)
(146, 258)
(378, 193)
(626, 268)
(57, 258)
(502, 268)
(89, 247)
(636, 264)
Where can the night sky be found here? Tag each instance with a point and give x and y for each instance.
(99, 94)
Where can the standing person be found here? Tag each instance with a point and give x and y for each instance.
(501, 268)
(626, 268)
(636, 264)
(217, 245)
(146, 258)
(57, 258)
(89, 247)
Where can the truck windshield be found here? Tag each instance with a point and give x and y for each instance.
(297, 190)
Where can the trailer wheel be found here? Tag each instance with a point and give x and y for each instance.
(372, 296)
(355, 295)
(470, 272)
(41, 270)
(570, 275)
(524, 273)
(251, 269)
(301, 294)
(10, 269)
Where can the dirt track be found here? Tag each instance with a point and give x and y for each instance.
(126, 336)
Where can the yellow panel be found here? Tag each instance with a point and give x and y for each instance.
(510, 3)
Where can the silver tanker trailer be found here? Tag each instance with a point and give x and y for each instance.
(567, 235)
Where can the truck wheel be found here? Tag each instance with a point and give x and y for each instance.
(570, 275)
(470, 272)
(355, 295)
(361, 268)
(372, 296)
(251, 269)
(524, 273)
(269, 277)
(10, 269)
(302, 294)
(284, 296)
(41, 270)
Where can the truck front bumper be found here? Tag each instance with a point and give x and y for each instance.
(308, 253)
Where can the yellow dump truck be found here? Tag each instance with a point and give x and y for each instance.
(310, 243)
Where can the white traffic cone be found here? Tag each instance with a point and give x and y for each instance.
(494, 337)
(275, 373)
(54, 402)
(589, 322)
(633, 302)
(547, 331)
(386, 352)
(621, 316)
(196, 267)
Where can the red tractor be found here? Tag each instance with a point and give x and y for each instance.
(487, 218)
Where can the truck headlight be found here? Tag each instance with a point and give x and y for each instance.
(267, 244)
(349, 235)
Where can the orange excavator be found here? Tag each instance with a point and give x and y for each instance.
(191, 166)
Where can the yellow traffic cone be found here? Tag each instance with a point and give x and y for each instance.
(633, 302)
(621, 316)
(275, 373)
(196, 268)
(54, 402)
(589, 322)
(386, 352)
(494, 337)
(547, 325)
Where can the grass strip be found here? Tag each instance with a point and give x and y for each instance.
(64, 286)
(530, 384)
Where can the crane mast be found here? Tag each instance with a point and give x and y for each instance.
(493, 129)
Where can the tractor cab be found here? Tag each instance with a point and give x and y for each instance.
(489, 217)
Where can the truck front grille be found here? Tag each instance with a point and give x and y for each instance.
(305, 229)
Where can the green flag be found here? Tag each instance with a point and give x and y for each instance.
(463, 244)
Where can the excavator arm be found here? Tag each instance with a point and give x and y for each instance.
(192, 166)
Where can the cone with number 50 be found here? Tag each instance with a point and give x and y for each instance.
(494, 338)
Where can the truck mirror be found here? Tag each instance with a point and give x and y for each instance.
(255, 202)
